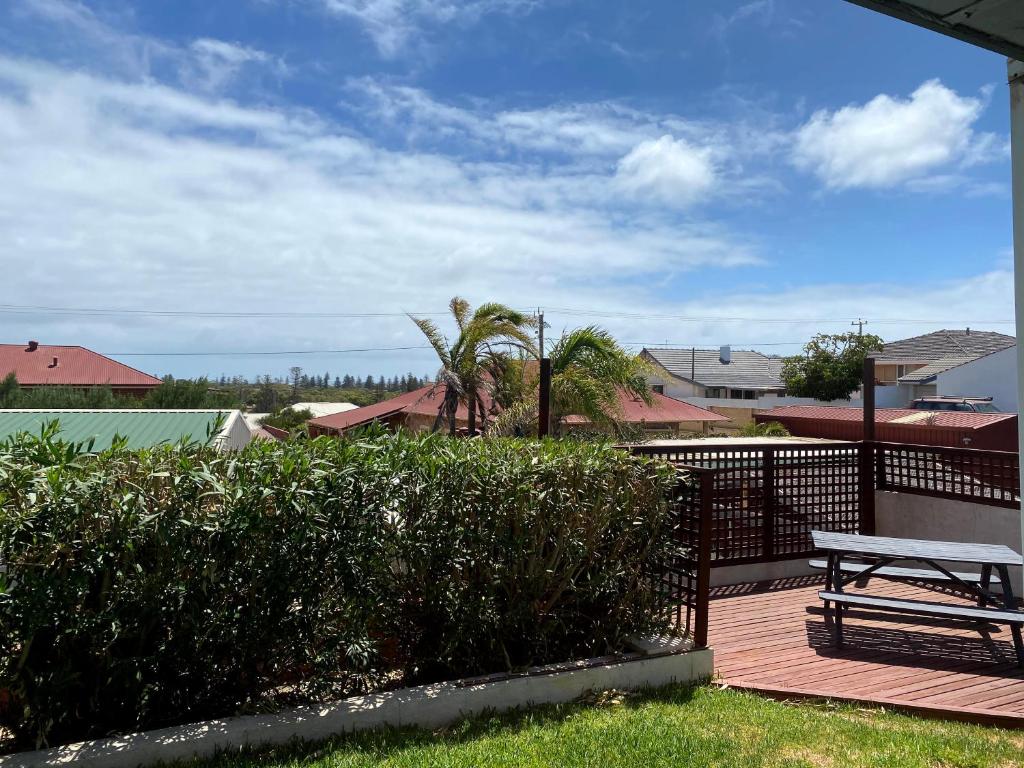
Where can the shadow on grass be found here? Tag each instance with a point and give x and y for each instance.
(381, 743)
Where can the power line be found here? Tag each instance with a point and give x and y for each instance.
(245, 353)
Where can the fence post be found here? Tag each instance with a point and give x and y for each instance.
(768, 495)
(700, 623)
(866, 476)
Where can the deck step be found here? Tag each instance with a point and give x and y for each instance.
(922, 574)
(924, 608)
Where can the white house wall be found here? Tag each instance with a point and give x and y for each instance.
(992, 376)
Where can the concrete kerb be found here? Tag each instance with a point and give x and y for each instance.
(427, 706)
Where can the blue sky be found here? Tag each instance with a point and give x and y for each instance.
(694, 173)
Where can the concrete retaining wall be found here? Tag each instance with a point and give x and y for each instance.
(908, 515)
(427, 706)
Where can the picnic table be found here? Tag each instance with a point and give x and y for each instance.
(875, 555)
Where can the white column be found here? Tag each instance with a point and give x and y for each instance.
(1015, 70)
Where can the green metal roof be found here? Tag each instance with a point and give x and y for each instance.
(143, 429)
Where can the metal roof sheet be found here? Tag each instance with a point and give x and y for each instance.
(664, 409)
(745, 370)
(943, 344)
(997, 25)
(143, 428)
(319, 409)
(75, 366)
(961, 419)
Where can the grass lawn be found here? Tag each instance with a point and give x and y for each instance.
(676, 727)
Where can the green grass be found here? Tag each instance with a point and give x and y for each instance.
(677, 727)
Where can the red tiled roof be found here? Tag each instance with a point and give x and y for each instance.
(960, 419)
(75, 367)
(425, 401)
(664, 410)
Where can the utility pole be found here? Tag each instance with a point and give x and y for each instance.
(540, 330)
(860, 325)
(544, 390)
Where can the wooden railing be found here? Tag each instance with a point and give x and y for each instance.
(759, 503)
(962, 474)
(766, 499)
(686, 577)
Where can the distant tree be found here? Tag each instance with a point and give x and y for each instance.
(337, 382)
(288, 418)
(831, 367)
(9, 392)
(186, 393)
(266, 399)
(765, 429)
(348, 382)
(369, 383)
(589, 370)
(296, 377)
(466, 360)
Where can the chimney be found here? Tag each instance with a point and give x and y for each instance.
(725, 354)
(54, 363)
(33, 346)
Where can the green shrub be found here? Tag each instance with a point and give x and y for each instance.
(160, 586)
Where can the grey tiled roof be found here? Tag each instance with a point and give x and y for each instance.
(930, 371)
(746, 370)
(944, 344)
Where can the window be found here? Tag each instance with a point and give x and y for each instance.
(749, 394)
(713, 392)
(659, 388)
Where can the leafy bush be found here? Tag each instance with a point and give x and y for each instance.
(151, 587)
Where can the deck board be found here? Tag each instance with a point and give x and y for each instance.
(776, 638)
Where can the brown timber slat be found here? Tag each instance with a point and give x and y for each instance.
(776, 639)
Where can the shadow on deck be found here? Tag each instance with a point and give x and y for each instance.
(776, 638)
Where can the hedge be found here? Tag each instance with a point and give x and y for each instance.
(146, 588)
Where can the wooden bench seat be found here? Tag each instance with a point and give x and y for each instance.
(897, 572)
(923, 608)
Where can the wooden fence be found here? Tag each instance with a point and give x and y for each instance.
(687, 575)
(756, 503)
(963, 474)
(766, 499)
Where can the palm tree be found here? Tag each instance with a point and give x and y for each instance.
(469, 363)
(589, 372)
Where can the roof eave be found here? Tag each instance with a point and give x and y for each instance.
(909, 13)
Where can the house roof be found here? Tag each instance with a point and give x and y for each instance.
(944, 344)
(425, 401)
(908, 416)
(664, 409)
(144, 428)
(745, 370)
(75, 366)
(927, 373)
(322, 409)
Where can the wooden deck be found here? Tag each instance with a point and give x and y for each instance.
(776, 638)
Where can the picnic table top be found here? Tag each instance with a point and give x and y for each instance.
(916, 549)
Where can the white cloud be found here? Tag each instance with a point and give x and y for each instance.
(206, 64)
(889, 141)
(141, 195)
(393, 23)
(215, 63)
(669, 170)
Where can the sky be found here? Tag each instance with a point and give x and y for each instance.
(189, 186)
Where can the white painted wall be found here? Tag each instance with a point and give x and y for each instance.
(674, 387)
(910, 516)
(235, 434)
(992, 376)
